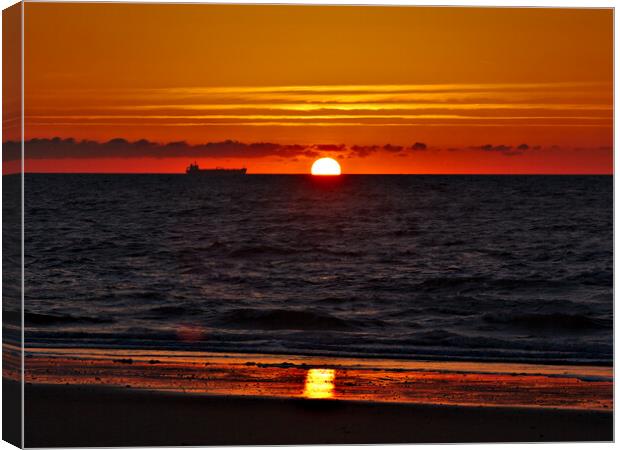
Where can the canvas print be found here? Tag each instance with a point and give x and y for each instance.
(301, 224)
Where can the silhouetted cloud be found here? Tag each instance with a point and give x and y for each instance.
(69, 148)
(330, 147)
(392, 148)
(494, 148)
(509, 150)
(364, 150)
(57, 148)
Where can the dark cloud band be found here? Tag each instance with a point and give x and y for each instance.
(69, 148)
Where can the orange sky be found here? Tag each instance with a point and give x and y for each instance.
(454, 79)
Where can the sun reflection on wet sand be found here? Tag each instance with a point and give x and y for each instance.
(428, 382)
(319, 383)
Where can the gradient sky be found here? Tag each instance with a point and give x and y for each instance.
(479, 90)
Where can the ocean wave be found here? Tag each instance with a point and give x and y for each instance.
(284, 319)
(261, 250)
(549, 322)
(52, 319)
(411, 267)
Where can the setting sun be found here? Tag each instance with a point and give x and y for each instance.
(325, 166)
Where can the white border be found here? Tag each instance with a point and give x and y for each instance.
(444, 3)
(473, 3)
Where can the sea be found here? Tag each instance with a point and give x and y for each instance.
(474, 268)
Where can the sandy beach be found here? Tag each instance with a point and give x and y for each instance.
(90, 397)
(92, 416)
(457, 383)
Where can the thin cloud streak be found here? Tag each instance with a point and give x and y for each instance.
(308, 116)
(368, 106)
(318, 124)
(517, 105)
(364, 88)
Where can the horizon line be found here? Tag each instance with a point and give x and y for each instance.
(325, 176)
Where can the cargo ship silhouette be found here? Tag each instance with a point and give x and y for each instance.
(194, 170)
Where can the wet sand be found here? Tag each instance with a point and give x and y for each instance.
(295, 376)
(102, 397)
(61, 415)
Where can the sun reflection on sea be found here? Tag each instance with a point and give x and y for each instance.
(319, 383)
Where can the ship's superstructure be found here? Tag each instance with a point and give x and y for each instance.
(193, 169)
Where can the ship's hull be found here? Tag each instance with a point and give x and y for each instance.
(217, 173)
